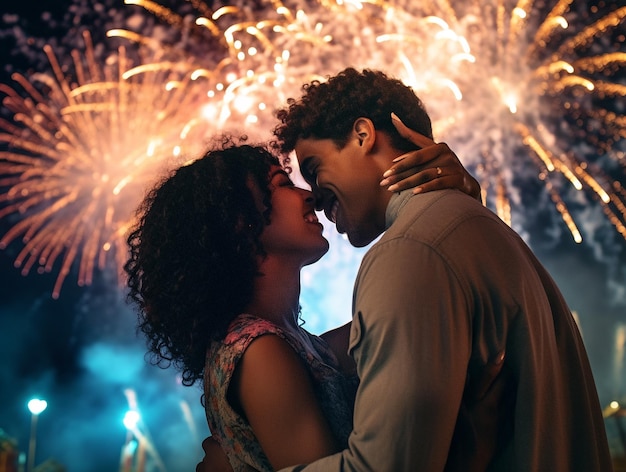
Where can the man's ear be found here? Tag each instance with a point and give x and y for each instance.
(364, 132)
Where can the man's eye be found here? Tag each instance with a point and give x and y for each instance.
(309, 173)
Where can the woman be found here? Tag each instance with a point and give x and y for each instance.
(214, 269)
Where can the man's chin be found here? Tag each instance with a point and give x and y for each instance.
(358, 240)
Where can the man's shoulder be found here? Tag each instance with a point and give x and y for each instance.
(450, 199)
(433, 213)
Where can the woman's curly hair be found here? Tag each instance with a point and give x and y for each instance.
(327, 110)
(194, 250)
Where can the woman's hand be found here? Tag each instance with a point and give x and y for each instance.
(338, 340)
(214, 459)
(433, 167)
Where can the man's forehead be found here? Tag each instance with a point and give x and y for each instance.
(308, 147)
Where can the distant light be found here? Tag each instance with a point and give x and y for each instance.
(209, 112)
(242, 103)
(562, 22)
(520, 12)
(131, 418)
(36, 406)
(511, 102)
(151, 148)
(131, 447)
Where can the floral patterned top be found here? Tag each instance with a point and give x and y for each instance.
(334, 390)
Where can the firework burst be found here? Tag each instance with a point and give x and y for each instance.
(519, 91)
(80, 153)
(536, 90)
(507, 83)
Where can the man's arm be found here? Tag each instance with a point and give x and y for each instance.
(411, 342)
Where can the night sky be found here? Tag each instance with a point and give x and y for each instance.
(81, 352)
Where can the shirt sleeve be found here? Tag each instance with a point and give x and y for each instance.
(411, 341)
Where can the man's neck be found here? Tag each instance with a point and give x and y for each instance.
(397, 201)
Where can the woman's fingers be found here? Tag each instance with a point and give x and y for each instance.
(412, 135)
(421, 158)
(424, 181)
(437, 156)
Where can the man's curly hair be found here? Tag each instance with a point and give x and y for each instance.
(193, 253)
(327, 110)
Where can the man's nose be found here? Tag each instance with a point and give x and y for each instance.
(318, 201)
(310, 199)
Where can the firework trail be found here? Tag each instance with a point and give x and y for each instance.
(520, 91)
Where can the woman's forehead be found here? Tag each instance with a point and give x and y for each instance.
(278, 170)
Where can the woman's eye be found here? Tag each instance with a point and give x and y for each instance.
(282, 180)
(285, 182)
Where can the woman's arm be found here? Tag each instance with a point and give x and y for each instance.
(433, 167)
(275, 393)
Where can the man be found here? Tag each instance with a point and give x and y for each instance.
(447, 292)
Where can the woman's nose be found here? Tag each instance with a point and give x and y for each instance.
(310, 198)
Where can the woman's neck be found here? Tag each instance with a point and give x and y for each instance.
(276, 294)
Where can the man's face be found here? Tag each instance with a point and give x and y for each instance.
(345, 183)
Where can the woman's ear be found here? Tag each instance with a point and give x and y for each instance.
(364, 132)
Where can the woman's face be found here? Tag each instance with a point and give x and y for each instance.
(294, 231)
